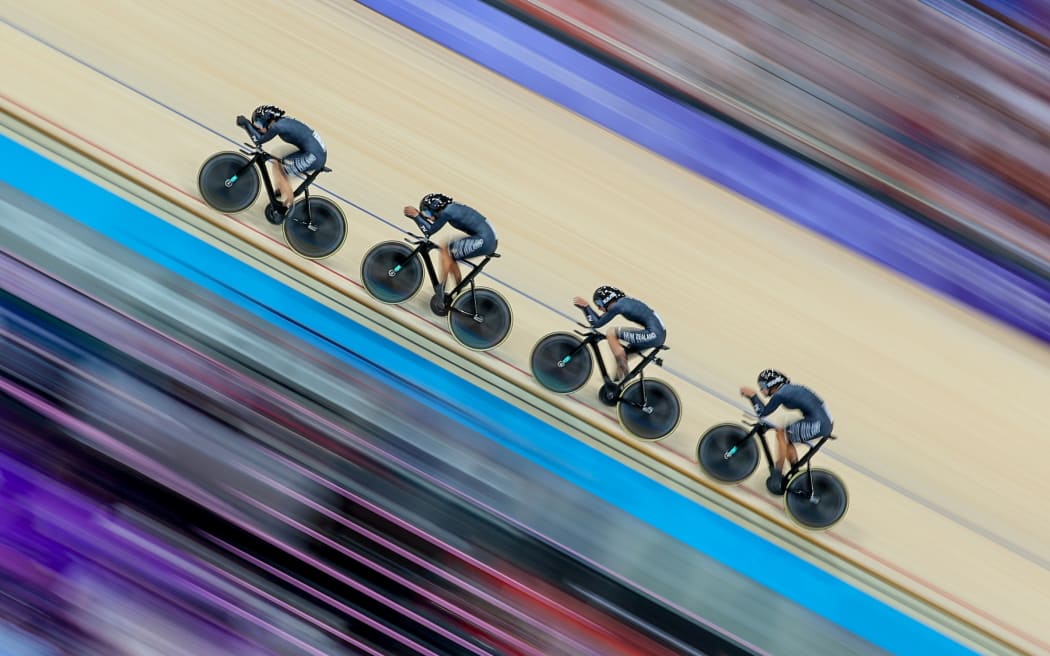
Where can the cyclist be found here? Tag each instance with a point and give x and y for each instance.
(268, 122)
(435, 210)
(816, 421)
(613, 302)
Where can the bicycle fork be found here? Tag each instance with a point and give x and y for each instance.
(731, 451)
(478, 318)
(232, 180)
(309, 222)
(469, 281)
(569, 356)
(644, 405)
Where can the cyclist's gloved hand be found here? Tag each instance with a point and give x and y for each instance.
(243, 122)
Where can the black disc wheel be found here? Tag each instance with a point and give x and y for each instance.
(816, 500)
(315, 229)
(227, 183)
(561, 363)
(649, 409)
(725, 455)
(480, 319)
(391, 273)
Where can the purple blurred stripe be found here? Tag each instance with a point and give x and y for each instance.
(322, 596)
(359, 587)
(262, 594)
(1032, 15)
(150, 468)
(685, 612)
(163, 353)
(440, 544)
(729, 157)
(64, 521)
(436, 600)
(419, 561)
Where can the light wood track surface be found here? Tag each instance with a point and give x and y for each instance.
(937, 407)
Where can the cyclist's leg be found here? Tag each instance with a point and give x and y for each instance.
(461, 249)
(297, 163)
(619, 353)
(638, 339)
(802, 432)
(784, 449)
(449, 266)
(284, 189)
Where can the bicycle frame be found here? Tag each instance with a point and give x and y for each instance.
(760, 430)
(258, 157)
(423, 248)
(594, 338)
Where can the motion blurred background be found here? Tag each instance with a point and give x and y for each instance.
(210, 447)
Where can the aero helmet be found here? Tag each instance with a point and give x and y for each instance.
(771, 378)
(605, 295)
(264, 115)
(434, 203)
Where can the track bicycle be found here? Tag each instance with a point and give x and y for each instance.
(647, 408)
(815, 498)
(478, 317)
(314, 227)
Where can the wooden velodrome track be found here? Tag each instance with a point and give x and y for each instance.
(937, 407)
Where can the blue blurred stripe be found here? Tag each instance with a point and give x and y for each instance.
(511, 427)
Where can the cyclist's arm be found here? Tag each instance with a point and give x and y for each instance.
(258, 137)
(429, 228)
(599, 321)
(767, 409)
(588, 313)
